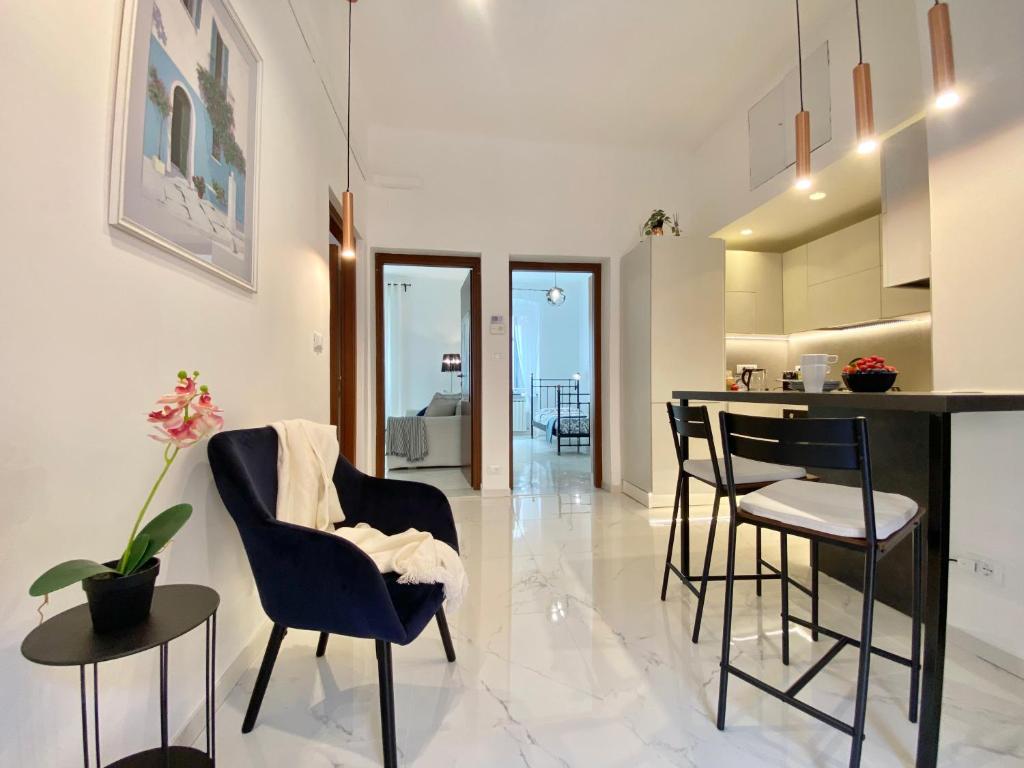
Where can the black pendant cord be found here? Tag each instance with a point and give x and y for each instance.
(800, 55)
(348, 108)
(860, 47)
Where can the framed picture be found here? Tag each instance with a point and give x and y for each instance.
(186, 134)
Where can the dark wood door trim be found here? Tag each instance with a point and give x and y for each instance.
(472, 263)
(597, 428)
(343, 341)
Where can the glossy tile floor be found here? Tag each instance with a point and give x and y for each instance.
(537, 468)
(568, 658)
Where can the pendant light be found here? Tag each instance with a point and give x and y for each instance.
(348, 237)
(863, 102)
(803, 119)
(556, 295)
(943, 71)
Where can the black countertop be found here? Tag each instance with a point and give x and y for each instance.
(919, 402)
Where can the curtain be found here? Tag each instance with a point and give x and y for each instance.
(393, 351)
(525, 342)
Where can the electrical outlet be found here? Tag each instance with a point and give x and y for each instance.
(318, 342)
(494, 469)
(980, 567)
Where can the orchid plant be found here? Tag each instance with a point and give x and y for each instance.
(182, 418)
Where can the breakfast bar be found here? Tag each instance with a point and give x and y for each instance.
(932, 413)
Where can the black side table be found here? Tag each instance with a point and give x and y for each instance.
(68, 640)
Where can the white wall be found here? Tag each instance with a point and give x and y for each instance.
(96, 323)
(501, 198)
(430, 328)
(561, 335)
(976, 175)
(721, 168)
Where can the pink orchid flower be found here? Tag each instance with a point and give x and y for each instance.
(183, 392)
(168, 416)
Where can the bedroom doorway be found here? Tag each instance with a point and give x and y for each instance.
(428, 376)
(555, 413)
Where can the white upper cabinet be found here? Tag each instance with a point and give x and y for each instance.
(794, 291)
(753, 292)
(906, 214)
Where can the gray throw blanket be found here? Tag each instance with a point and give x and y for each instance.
(407, 437)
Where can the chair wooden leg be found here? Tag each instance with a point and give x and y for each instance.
(263, 678)
(915, 616)
(784, 585)
(321, 646)
(387, 704)
(707, 567)
(446, 636)
(867, 620)
(671, 538)
(730, 571)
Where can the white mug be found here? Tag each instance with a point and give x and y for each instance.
(814, 376)
(806, 360)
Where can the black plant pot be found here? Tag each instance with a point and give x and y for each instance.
(119, 602)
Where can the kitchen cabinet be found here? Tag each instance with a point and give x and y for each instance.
(846, 300)
(794, 291)
(672, 324)
(906, 210)
(753, 292)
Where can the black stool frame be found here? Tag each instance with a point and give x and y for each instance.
(694, 422)
(832, 444)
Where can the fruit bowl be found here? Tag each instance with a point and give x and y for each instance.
(869, 374)
(870, 381)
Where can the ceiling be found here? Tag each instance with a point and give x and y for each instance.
(636, 72)
(853, 186)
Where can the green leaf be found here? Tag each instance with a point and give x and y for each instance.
(66, 574)
(162, 528)
(135, 555)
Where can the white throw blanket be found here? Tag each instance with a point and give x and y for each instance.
(306, 496)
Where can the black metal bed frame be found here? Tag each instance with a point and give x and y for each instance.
(566, 395)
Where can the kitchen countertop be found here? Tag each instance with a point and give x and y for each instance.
(919, 402)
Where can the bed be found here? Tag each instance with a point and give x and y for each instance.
(561, 412)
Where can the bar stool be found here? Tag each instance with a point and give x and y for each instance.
(863, 519)
(694, 422)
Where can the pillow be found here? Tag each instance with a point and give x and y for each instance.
(422, 411)
(442, 405)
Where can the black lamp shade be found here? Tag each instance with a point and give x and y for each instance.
(451, 363)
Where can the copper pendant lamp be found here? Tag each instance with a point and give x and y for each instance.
(803, 119)
(862, 100)
(943, 71)
(348, 235)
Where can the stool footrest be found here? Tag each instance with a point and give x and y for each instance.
(889, 655)
(819, 665)
(792, 582)
(807, 709)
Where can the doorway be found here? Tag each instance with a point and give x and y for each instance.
(428, 347)
(342, 279)
(181, 132)
(555, 409)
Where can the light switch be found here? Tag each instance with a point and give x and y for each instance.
(318, 343)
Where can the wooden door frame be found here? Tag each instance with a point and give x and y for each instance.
(597, 427)
(472, 263)
(343, 341)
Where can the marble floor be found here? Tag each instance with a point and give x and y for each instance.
(566, 658)
(537, 468)
(451, 480)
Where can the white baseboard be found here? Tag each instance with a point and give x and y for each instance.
(990, 653)
(249, 657)
(662, 500)
(495, 493)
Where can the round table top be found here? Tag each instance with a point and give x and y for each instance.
(68, 638)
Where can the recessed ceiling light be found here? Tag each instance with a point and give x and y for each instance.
(817, 195)
(746, 232)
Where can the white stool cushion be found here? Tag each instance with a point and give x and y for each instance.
(744, 470)
(834, 509)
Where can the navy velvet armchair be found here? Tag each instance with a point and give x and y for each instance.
(309, 579)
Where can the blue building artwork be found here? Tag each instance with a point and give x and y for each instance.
(185, 180)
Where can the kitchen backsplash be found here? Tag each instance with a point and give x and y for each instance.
(905, 343)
